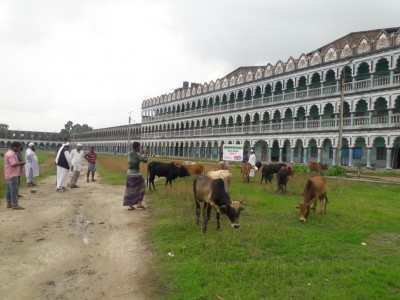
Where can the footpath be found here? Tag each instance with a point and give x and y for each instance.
(80, 244)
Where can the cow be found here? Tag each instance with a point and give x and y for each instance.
(168, 170)
(267, 171)
(224, 165)
(188, 163)
(258, 165)
(314, 190)
(290, 172)
(195, 169)
(282, 178)
(245, 170)
(211, 192)
(316, 167)
(225, 175)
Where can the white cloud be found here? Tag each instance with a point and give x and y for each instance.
(94, 61)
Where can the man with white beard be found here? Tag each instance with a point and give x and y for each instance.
(32, 165)
(63, 162)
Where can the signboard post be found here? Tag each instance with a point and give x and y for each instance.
(232, 153)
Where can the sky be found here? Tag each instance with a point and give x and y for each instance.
(94, 61)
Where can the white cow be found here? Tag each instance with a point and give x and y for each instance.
(225, 175)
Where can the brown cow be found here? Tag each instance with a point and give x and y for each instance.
(315, 189)
(246, 167)
(290, 172)
(316, 167)
(195, 169)
(225, 175)
(211, 192)
(282, 178)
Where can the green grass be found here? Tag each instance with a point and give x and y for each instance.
(46, 168)
(273, 255)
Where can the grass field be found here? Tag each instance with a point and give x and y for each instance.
(46, 168)
(273, 255)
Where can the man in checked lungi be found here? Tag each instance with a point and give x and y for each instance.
(135, 184)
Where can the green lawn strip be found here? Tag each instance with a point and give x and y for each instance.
(273, 255)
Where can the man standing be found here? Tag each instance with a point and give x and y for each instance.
(63, 162)
(12, 170)
(252, 162)
(32, 165)
(76, 160)
(91, 157)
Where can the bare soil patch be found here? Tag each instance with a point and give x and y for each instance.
(80, 244)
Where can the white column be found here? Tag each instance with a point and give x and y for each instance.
(388, 158)
(334, 156)
(350, 156)
(280, 154)
(269, 153)
(292, 155)
(319, 159)
(305, 155)
(368, 157)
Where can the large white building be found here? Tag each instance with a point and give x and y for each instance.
(290, 111)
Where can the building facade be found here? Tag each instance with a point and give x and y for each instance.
(290, 111)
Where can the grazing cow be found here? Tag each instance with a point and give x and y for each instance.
(211, 192)
(267, 171)
(290, 172)
(225, 175)
(245, 170)
(224, 165)
(282, 178)
(314, 190)
(316, 167)
(195, 169)
(169, 170)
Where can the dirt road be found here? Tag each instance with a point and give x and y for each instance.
(80, 244)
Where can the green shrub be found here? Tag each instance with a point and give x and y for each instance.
(335, 171)
(300, 169)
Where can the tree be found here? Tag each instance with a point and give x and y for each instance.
(70, 128)
(4, 127)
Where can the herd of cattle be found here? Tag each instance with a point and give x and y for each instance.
(213, 190)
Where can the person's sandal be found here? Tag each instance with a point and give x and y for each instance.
(9, 206)
(131, 208)
(18, 207)
(141, 207)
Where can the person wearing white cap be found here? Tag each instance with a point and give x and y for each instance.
(76, 168)
(32, 165)
(63, 162)
(252, 161)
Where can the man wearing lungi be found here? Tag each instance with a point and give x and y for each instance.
(135, 184)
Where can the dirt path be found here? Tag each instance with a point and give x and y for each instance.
(80, 244)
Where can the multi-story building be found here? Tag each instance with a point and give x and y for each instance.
(290, 111)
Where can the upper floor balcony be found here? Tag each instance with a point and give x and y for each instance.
(389, 121)
(308, 94)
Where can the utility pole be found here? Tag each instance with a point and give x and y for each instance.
(129, 133)
(339, 151)
(341, 109)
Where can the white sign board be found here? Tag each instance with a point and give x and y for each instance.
(232, 153)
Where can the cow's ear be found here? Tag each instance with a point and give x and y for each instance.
(222, 209)
(241, 208)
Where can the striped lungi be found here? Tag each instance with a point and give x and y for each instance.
(134, 191)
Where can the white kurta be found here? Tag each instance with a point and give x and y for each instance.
(32, 164)
(252, 159)
(62, 173)
(77, 159)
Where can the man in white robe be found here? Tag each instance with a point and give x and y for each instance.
(32, 165)
(63, 162)
(252, 161)
(76, 160)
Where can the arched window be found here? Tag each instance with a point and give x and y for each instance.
(382, 68)
(330, 78)
(363, 72)
(302, 84)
